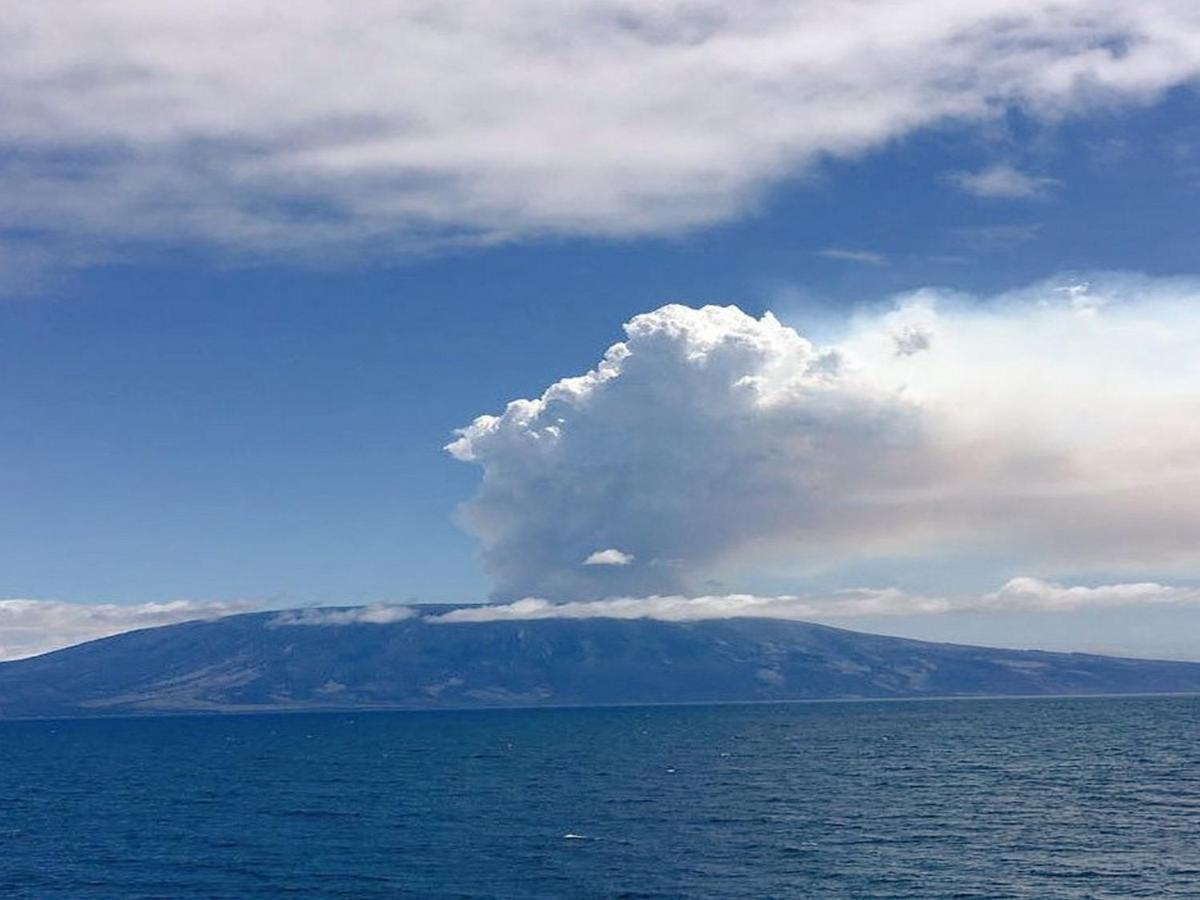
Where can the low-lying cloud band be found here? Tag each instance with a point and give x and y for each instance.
(1021, 594)
(31, 627)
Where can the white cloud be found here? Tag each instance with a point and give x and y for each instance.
(313, 125)
(1036, 595)
(1046, 429)
(912, 339)
(376, 614)
(1002, 180)
(863, 257)
(610, 557)
(674, 608)
(1017, 595)
(30, 627)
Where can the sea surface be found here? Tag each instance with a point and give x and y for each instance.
(1040, 798)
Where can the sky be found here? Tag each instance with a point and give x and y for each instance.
(905, 299)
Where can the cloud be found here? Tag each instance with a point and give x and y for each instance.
(1004, 181)
(912, 339)
(703, 428)
(610, 557)
(316, 128)
(1056, 428)
(674, 608)
(376, 614)
(30, 627)
(995, 238)
(1017, 595)
(863, 257)
(1043, 596)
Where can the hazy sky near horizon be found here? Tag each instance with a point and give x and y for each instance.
(906, 295)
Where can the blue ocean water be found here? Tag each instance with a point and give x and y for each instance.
(1037, 798)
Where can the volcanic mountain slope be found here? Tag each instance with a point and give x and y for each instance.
(258, 662)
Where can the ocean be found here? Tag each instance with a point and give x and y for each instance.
(1031, 798)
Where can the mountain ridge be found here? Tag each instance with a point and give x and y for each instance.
(256, 662)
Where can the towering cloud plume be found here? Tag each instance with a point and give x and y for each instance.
(704, 430)
(1057, 426)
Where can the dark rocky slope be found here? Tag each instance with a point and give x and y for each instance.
(251, 662)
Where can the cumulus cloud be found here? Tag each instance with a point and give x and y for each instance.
(912, 339)
(313, 125)
(1022, 594)
(610, 557)
(30, 627)
(1057, 427)
(705, 428)
(376, 614)
(1003, 180)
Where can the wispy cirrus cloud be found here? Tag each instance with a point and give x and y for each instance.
(312, 127)
(994, 237)
(863, 257)
(1004, 181)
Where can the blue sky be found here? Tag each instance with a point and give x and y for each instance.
(205, 403)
